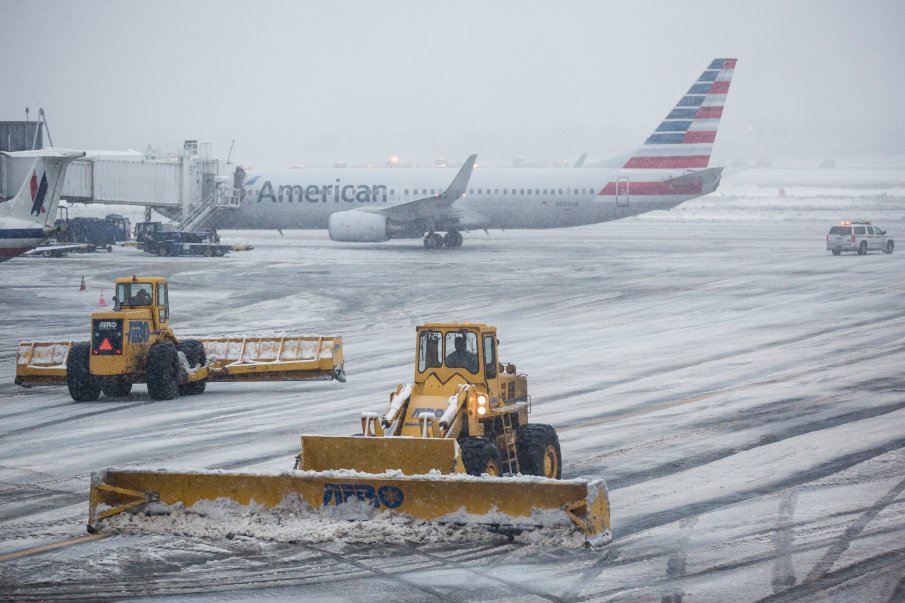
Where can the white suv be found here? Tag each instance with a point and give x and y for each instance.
(860, 236)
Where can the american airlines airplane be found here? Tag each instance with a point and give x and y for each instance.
(375, 205)
(26, 219)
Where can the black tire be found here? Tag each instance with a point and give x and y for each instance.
(113, 388)
(208, 252)
(537, 447)
(83, 386)
(453, 239)
(837, 252)
(195, 355)
(862, 248)
(161, 250)
(162, 374)
(433, 241)
(480, 455)
(890, 246)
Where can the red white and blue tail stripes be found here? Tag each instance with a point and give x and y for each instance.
(685, 138)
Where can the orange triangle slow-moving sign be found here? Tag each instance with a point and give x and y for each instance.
(105, 345)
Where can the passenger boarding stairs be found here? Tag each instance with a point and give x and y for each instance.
(197, 215)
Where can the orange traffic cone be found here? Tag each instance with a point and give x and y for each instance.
(82, 286)
(102, 303)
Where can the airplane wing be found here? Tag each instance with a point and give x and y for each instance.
(48, 152)
(435, 205)
(56, 250)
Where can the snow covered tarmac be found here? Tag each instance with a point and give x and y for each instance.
(739, 388)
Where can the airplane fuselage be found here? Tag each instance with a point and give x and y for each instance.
(19, 236)
(497, 198)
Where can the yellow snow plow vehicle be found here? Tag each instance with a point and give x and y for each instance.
(455, 446)
(134, 343)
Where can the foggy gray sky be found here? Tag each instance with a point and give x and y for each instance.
(317, 82)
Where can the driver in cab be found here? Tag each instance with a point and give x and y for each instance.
(461, 357)
(142, 298)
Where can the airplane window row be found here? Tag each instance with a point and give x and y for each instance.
(506, 191)
(536, 191)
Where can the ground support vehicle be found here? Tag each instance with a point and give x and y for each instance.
(122, 227)
(145, 230)
(134, 343)
(97, 233)
(178, 243)
(439, 452)
(859, 236)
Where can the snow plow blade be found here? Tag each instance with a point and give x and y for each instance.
(293, 358)
(42, 362)
(513, 503)
(274, 358)
(411, 456)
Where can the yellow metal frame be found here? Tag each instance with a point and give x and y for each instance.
(248, 363)
(497, 501)
(30, 372)
(326, 361)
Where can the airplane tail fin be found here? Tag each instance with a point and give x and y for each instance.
(685, 138)
(39, 195)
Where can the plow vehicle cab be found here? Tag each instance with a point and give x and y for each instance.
(465, 412)
(134, 343)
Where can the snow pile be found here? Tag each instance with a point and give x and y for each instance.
(432, 475)
(225, 519)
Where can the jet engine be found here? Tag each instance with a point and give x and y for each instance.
(358, 227)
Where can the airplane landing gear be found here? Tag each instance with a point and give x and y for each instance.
(433, 241)
(453, 239)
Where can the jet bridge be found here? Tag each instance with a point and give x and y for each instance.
(184, 186)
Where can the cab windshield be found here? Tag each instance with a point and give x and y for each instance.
(135, 294)
(453, 349)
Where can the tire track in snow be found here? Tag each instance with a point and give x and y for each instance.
(783, 535)
(898, 595)
(890, 560)
(60, 421)
(705, 573)
(691, 462)
(675, 566)
(489, 574)
(708, 506)
(657, 520)
(33, 410)
(404, 582)
(644, 409)
(816, 575)
(240, 567)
